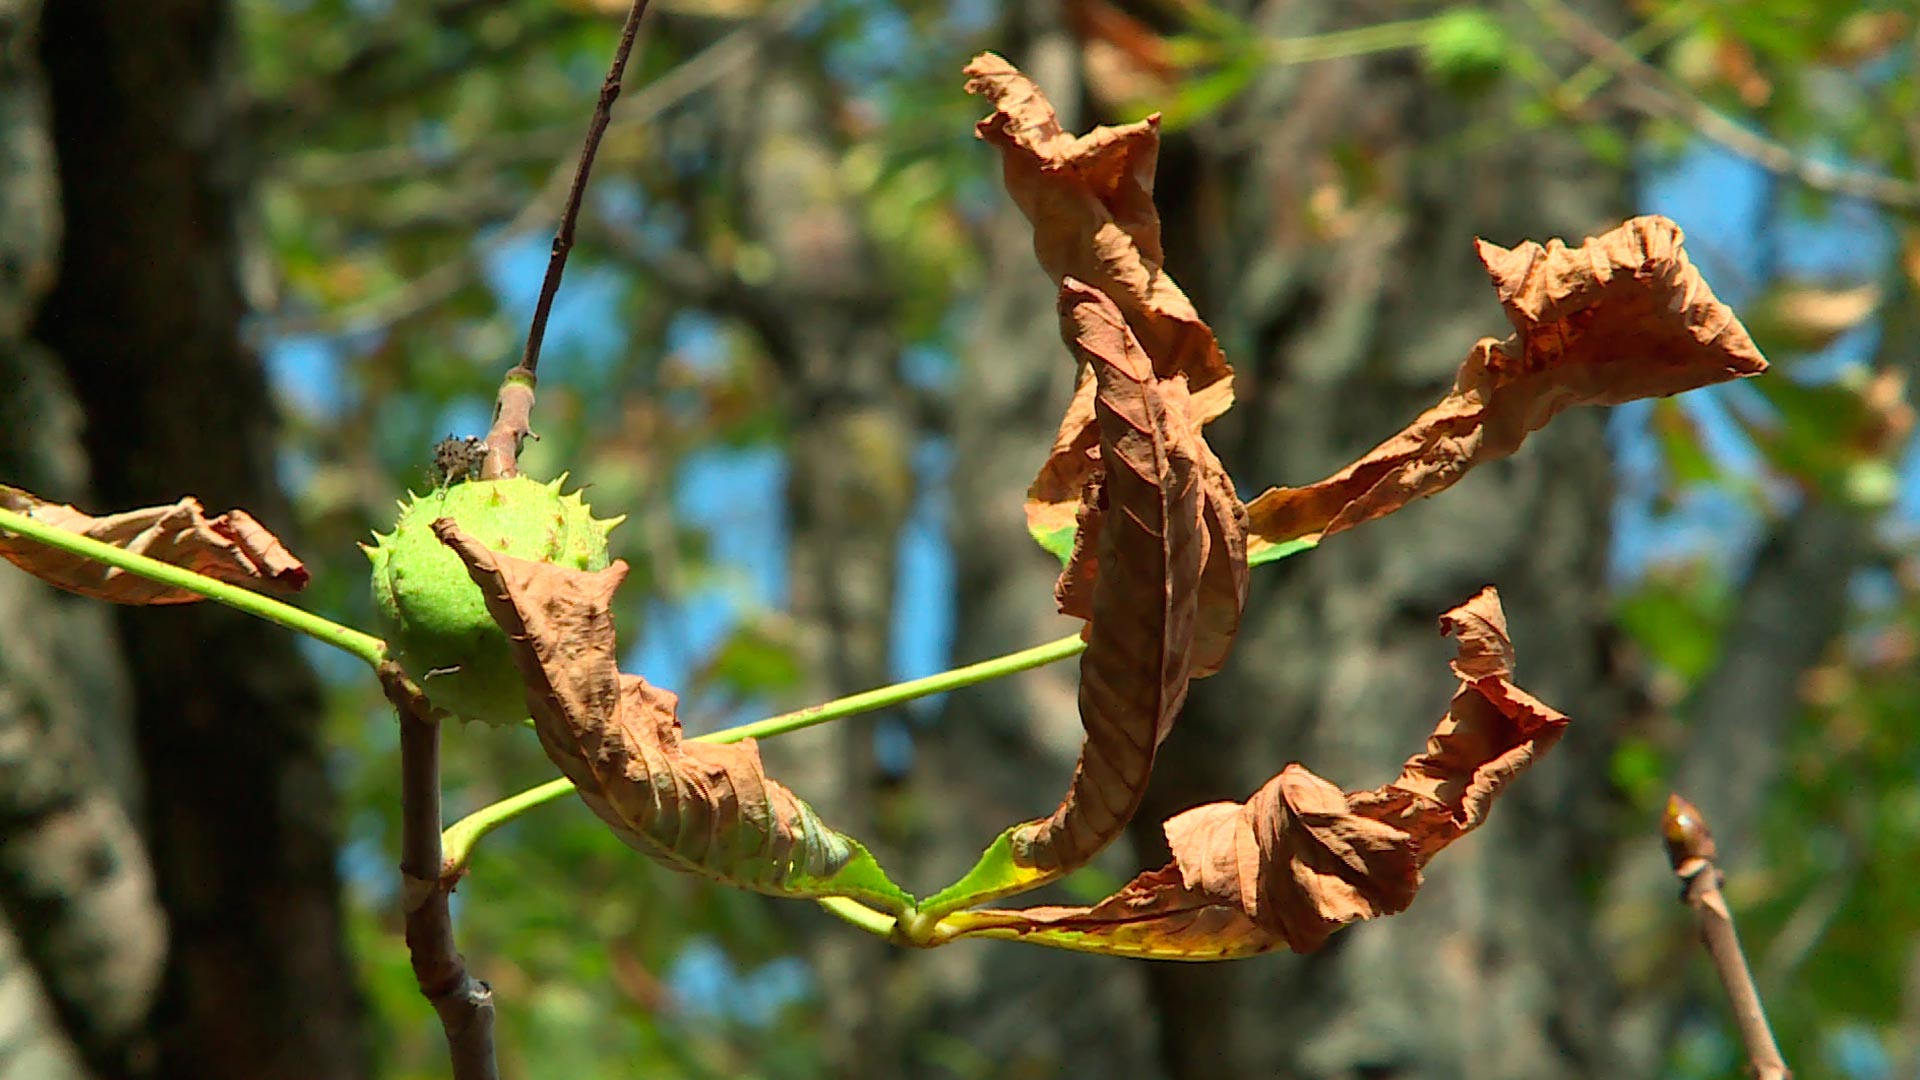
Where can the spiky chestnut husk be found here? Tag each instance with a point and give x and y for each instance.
(433, 613)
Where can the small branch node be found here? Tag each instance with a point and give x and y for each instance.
(512, 424)
(1691, 849)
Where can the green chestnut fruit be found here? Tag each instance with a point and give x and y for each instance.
(434, 616)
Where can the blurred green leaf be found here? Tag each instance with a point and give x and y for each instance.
(1465, 49)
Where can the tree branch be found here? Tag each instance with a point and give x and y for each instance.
(570, 216)
(1690, 849)
(465, 1004)
(513, 409)
(1651, 93)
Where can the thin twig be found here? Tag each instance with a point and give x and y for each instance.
(1690, 849)
(513, 409)
(464, 1003)
(563, 238)
(1651, 93)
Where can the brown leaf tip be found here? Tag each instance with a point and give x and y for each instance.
(989, 65)
(450, 534)
(1545, 288)
(1486, 650)
(1016, 100)
(1686, 834)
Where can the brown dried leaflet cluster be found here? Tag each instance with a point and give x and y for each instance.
(1623, 316)
(696, 807)
(232, 547)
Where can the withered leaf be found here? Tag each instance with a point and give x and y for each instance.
(1097, 333)
(1135, 576)
(1053, 499)
(1124, 59)
(1146, 533)
(698, 807)
(1623, 316)
(1223, 573)
(232, 547)
(1301, 859)
(1090, 201)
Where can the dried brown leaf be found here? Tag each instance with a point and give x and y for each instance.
(1090, 201)
(1098, 20)
(699, 807)
(1295, 858)
(232, 548)
(1154, 916)
(1122, 58)
(1223, 571)
(1301, 859)
(1098, 333)
(1623, 316)
(1146, 532)
(1053, 499)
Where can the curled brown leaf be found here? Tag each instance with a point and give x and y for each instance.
(1223, 571)
(1300, 859)
(699, 807)
(232, 548)
(1096, 332)
(1090, 201)
(1144, 529)
(1623, 316)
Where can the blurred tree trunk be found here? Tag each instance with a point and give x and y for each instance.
(1324, 223)
(81, 932)
(144, 314)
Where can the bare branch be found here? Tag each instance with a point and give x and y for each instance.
(1690, 849)
(570, 216)
(464, 1003)
(1650, 92)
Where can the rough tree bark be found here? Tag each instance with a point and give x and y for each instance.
(145, 316)
(81, 933)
